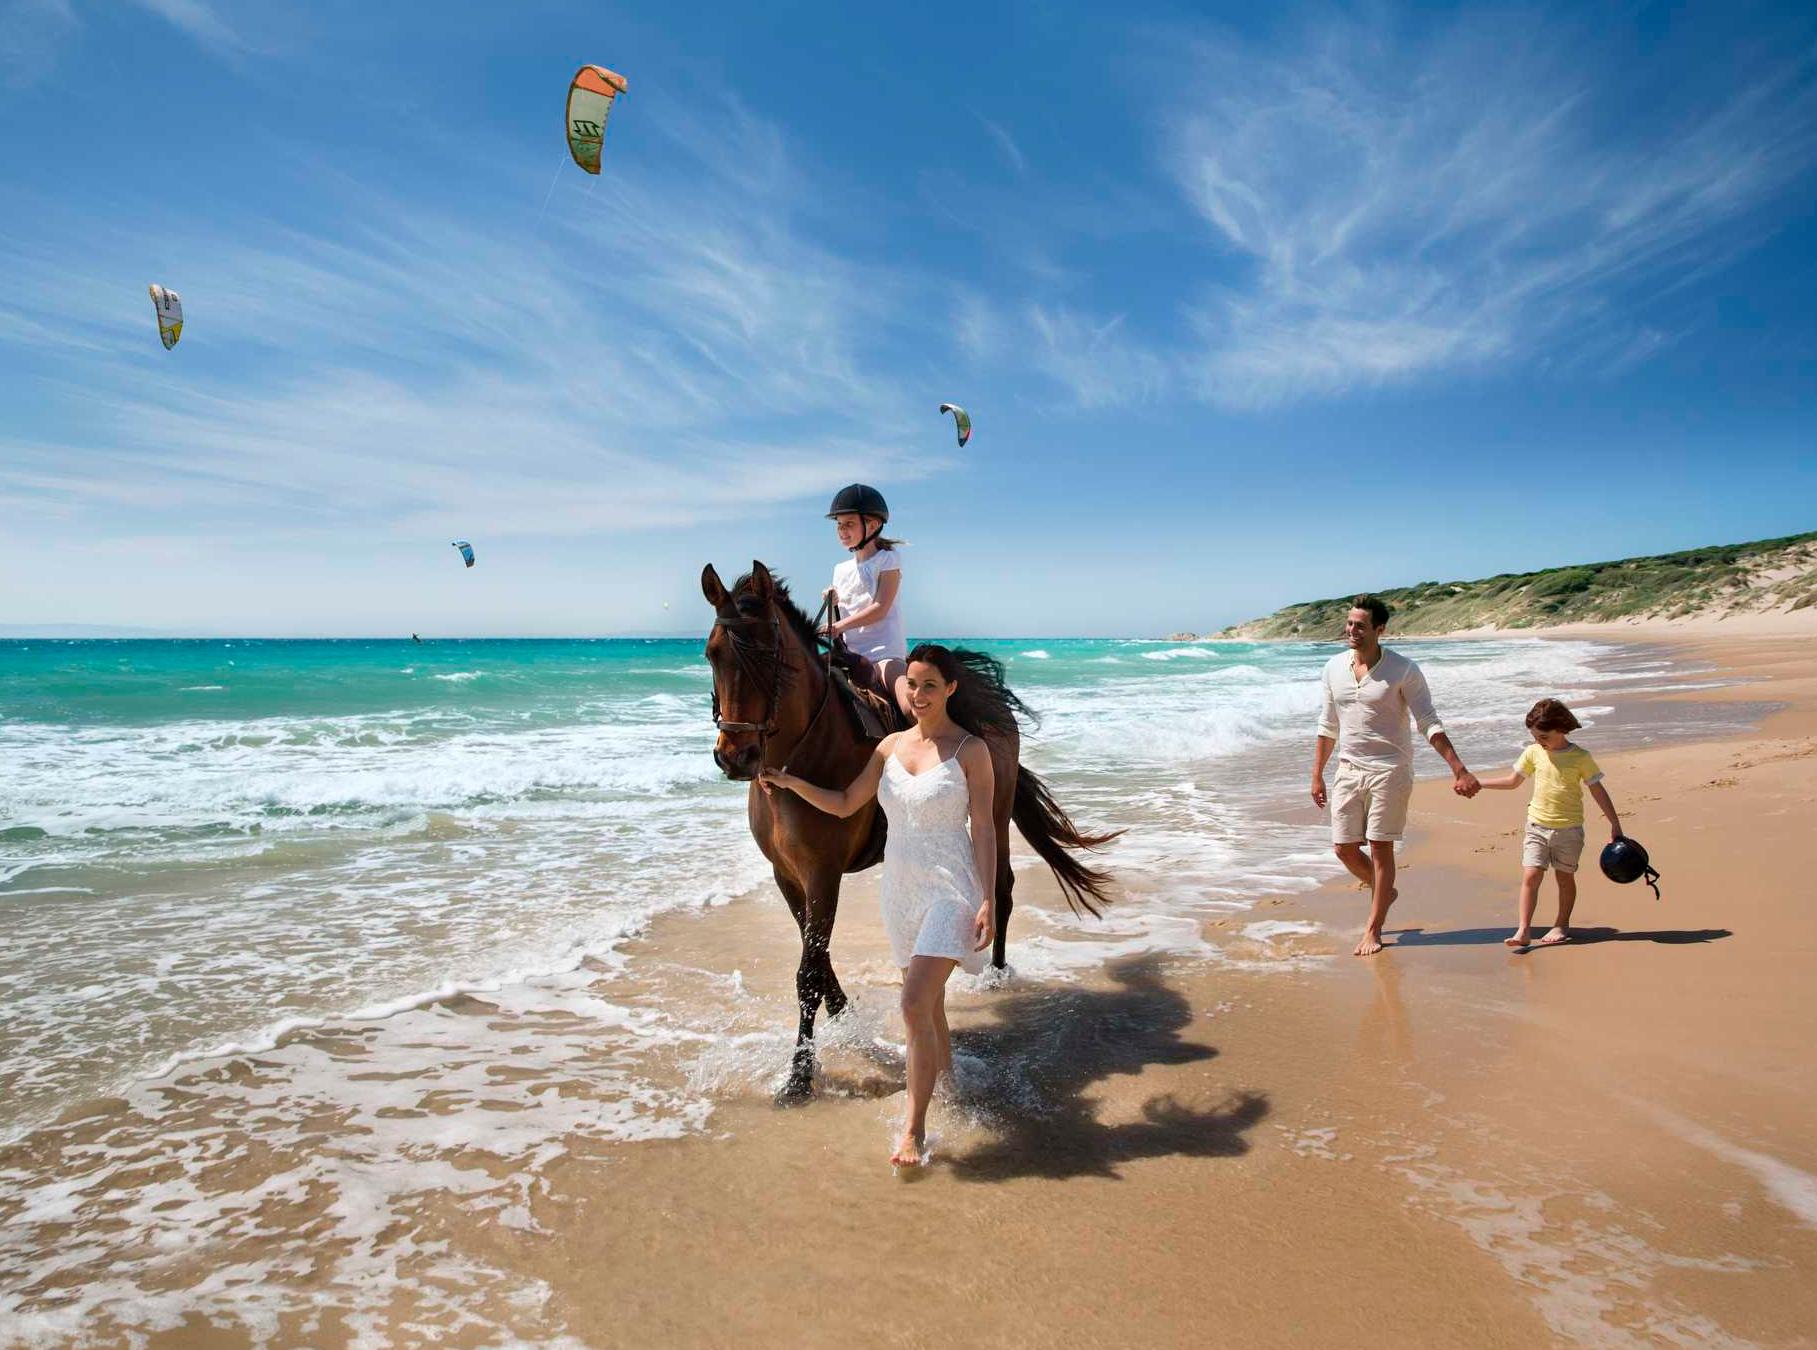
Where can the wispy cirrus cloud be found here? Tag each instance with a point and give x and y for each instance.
(648, 359)
(1401, 207)
(31, 32)
(1372, 202)
(201, 22)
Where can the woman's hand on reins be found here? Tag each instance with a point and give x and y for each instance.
(771, 779)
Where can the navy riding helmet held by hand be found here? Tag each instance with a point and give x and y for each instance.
(1624, 860)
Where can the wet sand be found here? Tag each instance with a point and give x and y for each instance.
(1269, 1143)
(1448, 1144)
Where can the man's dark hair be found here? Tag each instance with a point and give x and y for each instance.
(1551, 715)
(1377, 607)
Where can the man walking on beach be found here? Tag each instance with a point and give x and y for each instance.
(1368, 695)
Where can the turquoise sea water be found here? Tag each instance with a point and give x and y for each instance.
(205, 842)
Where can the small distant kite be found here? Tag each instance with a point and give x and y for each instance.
(589, 104)
(961, 420)
(170, 314)
(466, 550)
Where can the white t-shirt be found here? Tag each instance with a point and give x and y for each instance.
(856, 584)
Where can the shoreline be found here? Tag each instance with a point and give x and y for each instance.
(1691, 628)
(1291, 1142)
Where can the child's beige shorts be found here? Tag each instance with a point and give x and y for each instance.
(1559, 849)
(1369, 803)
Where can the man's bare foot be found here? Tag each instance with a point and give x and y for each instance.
(1370, 944)
(908, 1150)
(1520, 939)
(1556, 936)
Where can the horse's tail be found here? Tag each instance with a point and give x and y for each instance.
(1051, 833)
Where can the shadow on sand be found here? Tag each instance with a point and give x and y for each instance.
(1580, 937)
(1049, 1045)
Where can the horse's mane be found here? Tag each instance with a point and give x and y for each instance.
(786, 606)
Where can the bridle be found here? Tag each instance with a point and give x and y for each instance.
(829, 609)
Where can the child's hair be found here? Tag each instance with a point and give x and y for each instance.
(1551, 715)
(882, 544)
(1377, 607)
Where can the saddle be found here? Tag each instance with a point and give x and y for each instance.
(861, 688)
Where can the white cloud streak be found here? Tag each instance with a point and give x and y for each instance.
(200, 22)
(1376, 209)
(650, 361)
(1402, 209)
(31, 32)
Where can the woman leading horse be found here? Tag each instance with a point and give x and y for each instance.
(777, 708)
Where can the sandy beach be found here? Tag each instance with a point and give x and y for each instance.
(1269, 1142)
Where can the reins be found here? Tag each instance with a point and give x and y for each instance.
(829, 610)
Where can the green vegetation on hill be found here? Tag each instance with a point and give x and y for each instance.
(1770, 574)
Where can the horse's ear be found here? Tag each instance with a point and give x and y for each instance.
(712, 587)
(763, 585)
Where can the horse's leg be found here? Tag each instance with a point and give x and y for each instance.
(1006, 875)
(801, 1067)
(814, 980)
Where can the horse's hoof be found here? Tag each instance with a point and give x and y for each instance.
(798, 1091)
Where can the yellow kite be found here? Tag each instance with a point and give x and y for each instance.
(170, 314)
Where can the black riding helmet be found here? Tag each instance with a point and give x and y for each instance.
(861, 499)
(1624, 860)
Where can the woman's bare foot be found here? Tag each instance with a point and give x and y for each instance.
(1520, 939)
(1556, 936)
(908, 1150)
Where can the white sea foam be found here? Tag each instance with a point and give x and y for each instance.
(1038, 655)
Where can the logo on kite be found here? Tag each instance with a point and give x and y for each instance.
(466, 550)
(961, 420)
(170, 314)
(590, 98)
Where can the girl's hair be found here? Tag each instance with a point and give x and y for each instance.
(879, 541)
(983, 704)
(1551, 715)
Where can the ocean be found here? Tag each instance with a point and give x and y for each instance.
(206, 844)
(318, 958)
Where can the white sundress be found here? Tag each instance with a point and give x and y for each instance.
(930, 882)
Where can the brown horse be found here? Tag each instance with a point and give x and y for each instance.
(775, 707)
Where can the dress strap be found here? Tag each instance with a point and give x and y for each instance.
(961, 745)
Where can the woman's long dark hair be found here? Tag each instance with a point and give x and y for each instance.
(983, 704)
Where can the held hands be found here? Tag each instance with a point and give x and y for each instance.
(1318, 790)
(1465, 784)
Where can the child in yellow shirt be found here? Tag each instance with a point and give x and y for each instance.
(1555, 818)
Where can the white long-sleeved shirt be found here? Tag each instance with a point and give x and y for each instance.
(1368, 717)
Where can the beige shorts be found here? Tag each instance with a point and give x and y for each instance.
(1559, 849)
(1369, 803)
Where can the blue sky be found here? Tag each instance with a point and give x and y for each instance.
(1250, 304)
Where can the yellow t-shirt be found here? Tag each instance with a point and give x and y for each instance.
(1559, 778)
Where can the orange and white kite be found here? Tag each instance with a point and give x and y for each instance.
(589, 104)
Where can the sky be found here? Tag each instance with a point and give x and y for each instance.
(1249, 304)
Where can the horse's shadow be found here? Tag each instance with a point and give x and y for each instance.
(1580, 937)
(1045, 1048)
